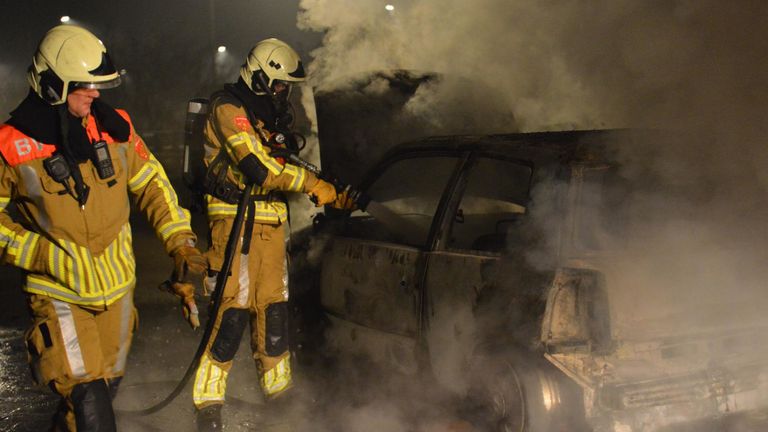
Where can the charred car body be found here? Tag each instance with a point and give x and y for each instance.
(479, 262)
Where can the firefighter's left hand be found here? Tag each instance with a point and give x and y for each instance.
(186, 292)
(323, 193)
(188, 260)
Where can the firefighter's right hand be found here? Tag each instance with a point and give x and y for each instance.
(322, 193)
(186, 260)
(186, 292)
(344, 201)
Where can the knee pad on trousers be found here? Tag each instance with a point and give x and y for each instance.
(114, 384)
(233, 322)
(276, 341)
(93, 407)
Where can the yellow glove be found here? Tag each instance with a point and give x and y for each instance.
(323, 193)
(186, 260)
(344, 202)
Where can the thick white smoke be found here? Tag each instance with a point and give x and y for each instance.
(698, 66)
(680, 65)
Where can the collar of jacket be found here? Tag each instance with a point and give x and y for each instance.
(260, 106)
(38, 119)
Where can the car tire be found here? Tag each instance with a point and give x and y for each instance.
(517, 392)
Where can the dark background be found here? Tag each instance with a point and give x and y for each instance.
(168, 48)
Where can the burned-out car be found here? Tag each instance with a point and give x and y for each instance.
(482, 261)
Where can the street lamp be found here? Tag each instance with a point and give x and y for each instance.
(221, 49)
(64, 19)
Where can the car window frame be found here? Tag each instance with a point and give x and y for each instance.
(461, 156)
(441, 234)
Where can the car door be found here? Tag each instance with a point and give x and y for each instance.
(483, 221)
(370, 279)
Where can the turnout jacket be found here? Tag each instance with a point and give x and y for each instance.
(82, 255)
(229, 128)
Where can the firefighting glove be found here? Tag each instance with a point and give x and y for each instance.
(322, 193)
(343, 201)
(185, 292)
(186, 260)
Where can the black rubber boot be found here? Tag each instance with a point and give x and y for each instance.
(60, 418)
(209, 419)
(93, 407)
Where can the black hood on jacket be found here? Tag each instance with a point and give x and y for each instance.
(259, 105)
(38, 119)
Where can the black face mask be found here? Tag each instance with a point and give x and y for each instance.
(261, 106)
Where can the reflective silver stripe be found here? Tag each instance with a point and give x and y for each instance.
(4, 201)
(32, 183)
(126, 316)
(69, 334)
(298, 177)
(104, 277)
(113, 262)
(243, 280)
(4, 240)
(173, 227)
(59, 272)
(142, 177)
(26, 250)
(285, 279)
(78, 282)
(168, 192)
(54, 290)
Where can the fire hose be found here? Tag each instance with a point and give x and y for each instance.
(216, 296)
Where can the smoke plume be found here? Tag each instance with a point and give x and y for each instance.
(693, 236)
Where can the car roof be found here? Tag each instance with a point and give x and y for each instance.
(536, 147)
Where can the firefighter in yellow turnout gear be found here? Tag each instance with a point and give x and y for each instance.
(69, 162)
(240, 140)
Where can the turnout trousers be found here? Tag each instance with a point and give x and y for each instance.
(80, 354)
(255, 295)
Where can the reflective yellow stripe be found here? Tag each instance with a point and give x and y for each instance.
(115, 273)
(38, 285)
(83, 278)
(142, 177)
(278, 378)
(171, 199)
(172, 228)
(27, 243)
(298, 177)
(210, 382)
(254, 146)
(273, 212)
(4, 201)
(6, 236)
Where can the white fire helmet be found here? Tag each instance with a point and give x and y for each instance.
(67, 58)
(270, 62)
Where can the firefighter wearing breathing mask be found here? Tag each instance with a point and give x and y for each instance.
(69, 163)
(242, 147)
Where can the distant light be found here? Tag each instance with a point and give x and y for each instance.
(389, 7)
(65, 18)
(222, 49)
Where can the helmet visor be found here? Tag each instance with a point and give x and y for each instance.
(97, 85)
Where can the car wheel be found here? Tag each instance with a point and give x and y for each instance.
(516, 392)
